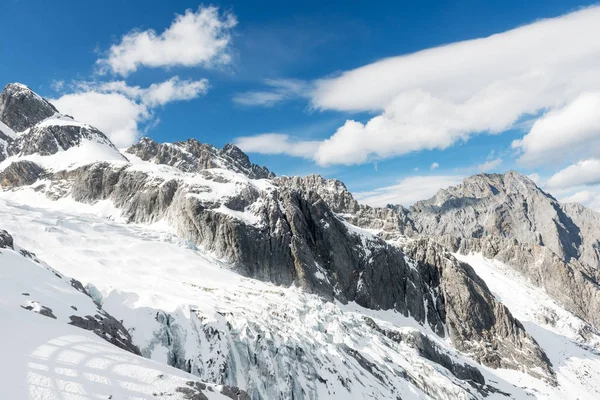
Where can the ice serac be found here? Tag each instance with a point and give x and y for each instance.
(45, 291)
(193, 156)
(21, 108)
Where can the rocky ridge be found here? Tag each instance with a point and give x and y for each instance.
(193, 156)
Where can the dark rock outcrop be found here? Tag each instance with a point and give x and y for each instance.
(20, 173)
(195, 391)
(392, 221)
(21, 108)
(477, 323)
(6, 240)
(567, 283)
(429, 350)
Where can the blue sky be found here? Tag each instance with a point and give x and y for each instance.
(282, 68)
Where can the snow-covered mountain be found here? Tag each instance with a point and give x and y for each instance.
(287, 287)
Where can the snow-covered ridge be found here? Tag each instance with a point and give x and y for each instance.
(61, 345)
(186, 308)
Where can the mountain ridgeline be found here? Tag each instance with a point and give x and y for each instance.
(311, 233)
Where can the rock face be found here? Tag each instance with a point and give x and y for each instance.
(392, 221)
(20, 173)
(509, 206)
(476, 322)
(507, 217)
(21, 108)
(568, 283)
(193, 156)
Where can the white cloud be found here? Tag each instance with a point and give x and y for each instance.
(536, 178)
(588, 198)
(200, 38)
(158, 94)
(570, 132)
(113, 113)
(435, 98)
(408, 191)
(434, 166)
(118, 110)
(586, 172)
(280, 90)
(489, 165)
(276, 143)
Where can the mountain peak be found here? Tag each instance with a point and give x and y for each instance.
(21, 108)
(192, 156)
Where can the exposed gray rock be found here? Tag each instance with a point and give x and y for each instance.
(565, 282)
(5, 140)
(108, 328)
(20, 173)
(393, 221)
(6, 240)
(510, 206)
(43, 310)
(195, 391)
(21, 108)
(193, 156)
(477, 323)
(430, 351)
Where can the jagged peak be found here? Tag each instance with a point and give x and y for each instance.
(487, 185)
(21, 108)
(192, 155)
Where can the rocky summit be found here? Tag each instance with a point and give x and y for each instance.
(241, 284)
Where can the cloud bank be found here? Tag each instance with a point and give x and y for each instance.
(119, 110)
(435, 98)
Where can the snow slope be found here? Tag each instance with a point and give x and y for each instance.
(185, 308)
(572, 345)
(45, 358)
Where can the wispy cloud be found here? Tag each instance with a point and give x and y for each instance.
(279, 90)
(200, 38)
(276, 143)
(565, 133)
(489, 165)
(408, 190)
